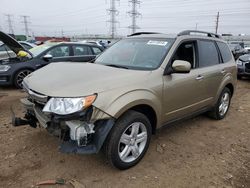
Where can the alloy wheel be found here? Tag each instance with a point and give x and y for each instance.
(20, 76)
(132, 142)
(224, 104)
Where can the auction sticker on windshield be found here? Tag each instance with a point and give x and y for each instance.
(159, 43)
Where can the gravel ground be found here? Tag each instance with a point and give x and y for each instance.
(199, 152)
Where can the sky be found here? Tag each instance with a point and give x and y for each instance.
(75, 17)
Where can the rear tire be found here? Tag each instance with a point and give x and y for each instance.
(19, 76)
(221, 108)
(128, 140)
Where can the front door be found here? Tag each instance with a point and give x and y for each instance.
(183, 93)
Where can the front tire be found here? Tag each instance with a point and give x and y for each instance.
(19, 76)
(221, 108)
(128, 140)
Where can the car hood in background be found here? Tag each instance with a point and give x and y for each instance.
(245, 58)
(80, 79)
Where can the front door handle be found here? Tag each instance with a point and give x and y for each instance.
(199, 77)
(223, 71)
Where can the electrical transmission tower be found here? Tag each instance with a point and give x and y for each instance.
(113, 12)
(134, 14)
(217, 22)
(10, 25)
(25, 22)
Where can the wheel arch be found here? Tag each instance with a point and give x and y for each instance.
(18, 70)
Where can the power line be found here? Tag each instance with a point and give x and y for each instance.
(113, 12)
(134, 14)
(26, 22)
(9, 22)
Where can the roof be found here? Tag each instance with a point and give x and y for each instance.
(184, 34)
(80, 43)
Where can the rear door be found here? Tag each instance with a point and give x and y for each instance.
(211, 68)
(82, 53)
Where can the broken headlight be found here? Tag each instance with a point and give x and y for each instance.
(64, 106)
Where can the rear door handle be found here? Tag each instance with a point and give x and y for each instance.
(199, 77)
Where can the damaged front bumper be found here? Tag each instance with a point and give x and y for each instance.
(83, 132)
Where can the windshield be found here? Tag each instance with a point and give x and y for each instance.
(140, 54)
(39, 49)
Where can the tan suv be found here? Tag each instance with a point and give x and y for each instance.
(139, 84)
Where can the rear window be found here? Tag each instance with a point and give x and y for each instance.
(225, 52)
(208, 54)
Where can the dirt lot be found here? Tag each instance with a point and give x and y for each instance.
(197, 153)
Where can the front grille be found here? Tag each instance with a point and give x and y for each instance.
(247, 67)
(37, 97)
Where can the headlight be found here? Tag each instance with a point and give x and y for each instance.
(4, 68)
(239, 62)
(64, 106)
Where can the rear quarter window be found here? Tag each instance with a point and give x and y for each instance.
(225, 52)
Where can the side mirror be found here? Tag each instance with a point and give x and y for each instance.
(47, 57)
(180, 66)
(22, 53)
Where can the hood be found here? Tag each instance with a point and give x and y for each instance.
(11, 43)
(80, 79)
(245, 58)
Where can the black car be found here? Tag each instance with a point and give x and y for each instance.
(14, 68)
(243, 64)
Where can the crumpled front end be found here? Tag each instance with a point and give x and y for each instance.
(81, 132)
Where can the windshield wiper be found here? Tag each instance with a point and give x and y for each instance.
(117, 66)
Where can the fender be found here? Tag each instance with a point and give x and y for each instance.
(228, 79)
(130, 99)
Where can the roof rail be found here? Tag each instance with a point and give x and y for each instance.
(188, 32)
(142, 33)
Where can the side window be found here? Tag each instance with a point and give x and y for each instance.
(225, 52)
(3, 47)
(208, 54)
(81, 50)
(59, 51)
(186, 52)
(96, 50)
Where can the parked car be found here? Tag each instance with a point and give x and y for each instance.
(27, 45)
(237, 50)
(247, 48)
(14, 68)
(243, 65)
(136, 86)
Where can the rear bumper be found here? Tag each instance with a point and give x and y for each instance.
(66, 127)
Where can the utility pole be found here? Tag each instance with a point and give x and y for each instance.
(62, 32)
(217, 22)
(113, 12)
(196, 26)
(25, 22)
(134, 14)
(9, 22)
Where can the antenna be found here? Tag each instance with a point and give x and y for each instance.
(134, 14)
(113, 12)
(10, 25)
